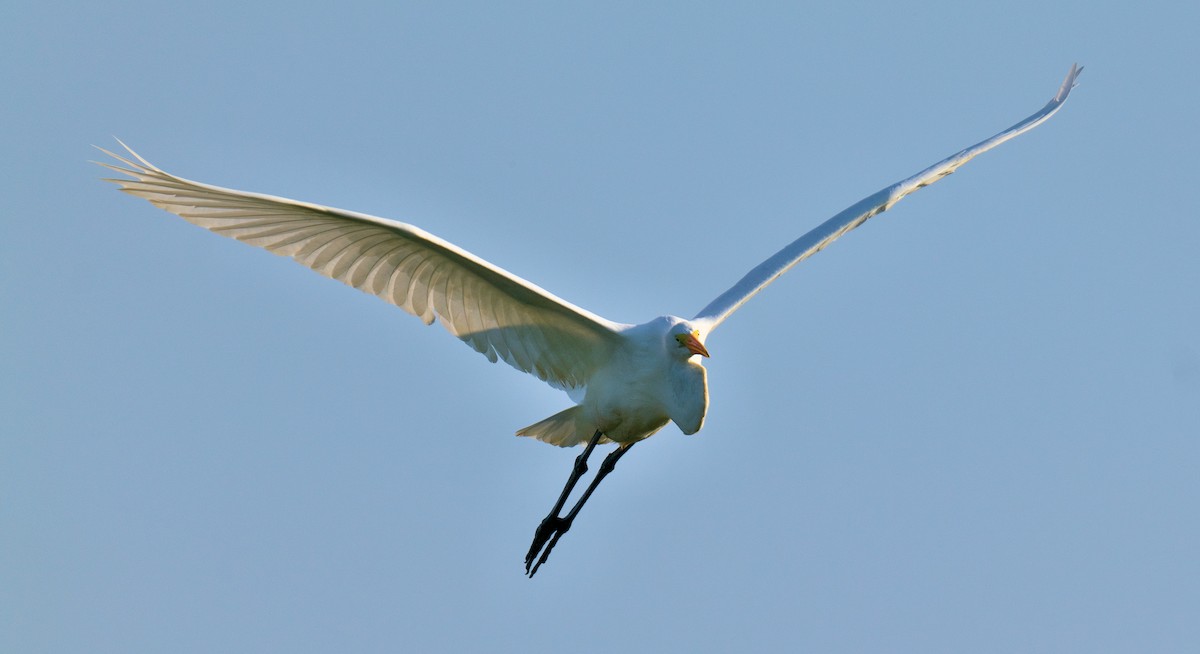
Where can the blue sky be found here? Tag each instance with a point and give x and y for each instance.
(971, 425)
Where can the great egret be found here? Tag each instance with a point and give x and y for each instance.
(628, 380)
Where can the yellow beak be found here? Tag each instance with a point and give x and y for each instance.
(693, 344)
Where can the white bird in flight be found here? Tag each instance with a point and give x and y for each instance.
(628, 380)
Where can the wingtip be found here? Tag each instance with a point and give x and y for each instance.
(137, 162)
(1071, 81)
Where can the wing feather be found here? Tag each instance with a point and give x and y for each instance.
(829, 231)
(495, 312)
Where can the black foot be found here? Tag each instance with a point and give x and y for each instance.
(547, 535)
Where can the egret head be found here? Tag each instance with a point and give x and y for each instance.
(688, 338)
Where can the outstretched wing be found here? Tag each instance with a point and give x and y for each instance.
(493, 311)
(829, 231)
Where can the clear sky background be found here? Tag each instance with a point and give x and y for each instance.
(971, 425)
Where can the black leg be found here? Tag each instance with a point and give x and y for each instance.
(554, 526)
(551, 523)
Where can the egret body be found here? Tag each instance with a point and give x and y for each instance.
(628, 381)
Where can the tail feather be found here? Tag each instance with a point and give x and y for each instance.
(566, 428)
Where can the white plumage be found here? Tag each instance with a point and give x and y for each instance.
(629, 380)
